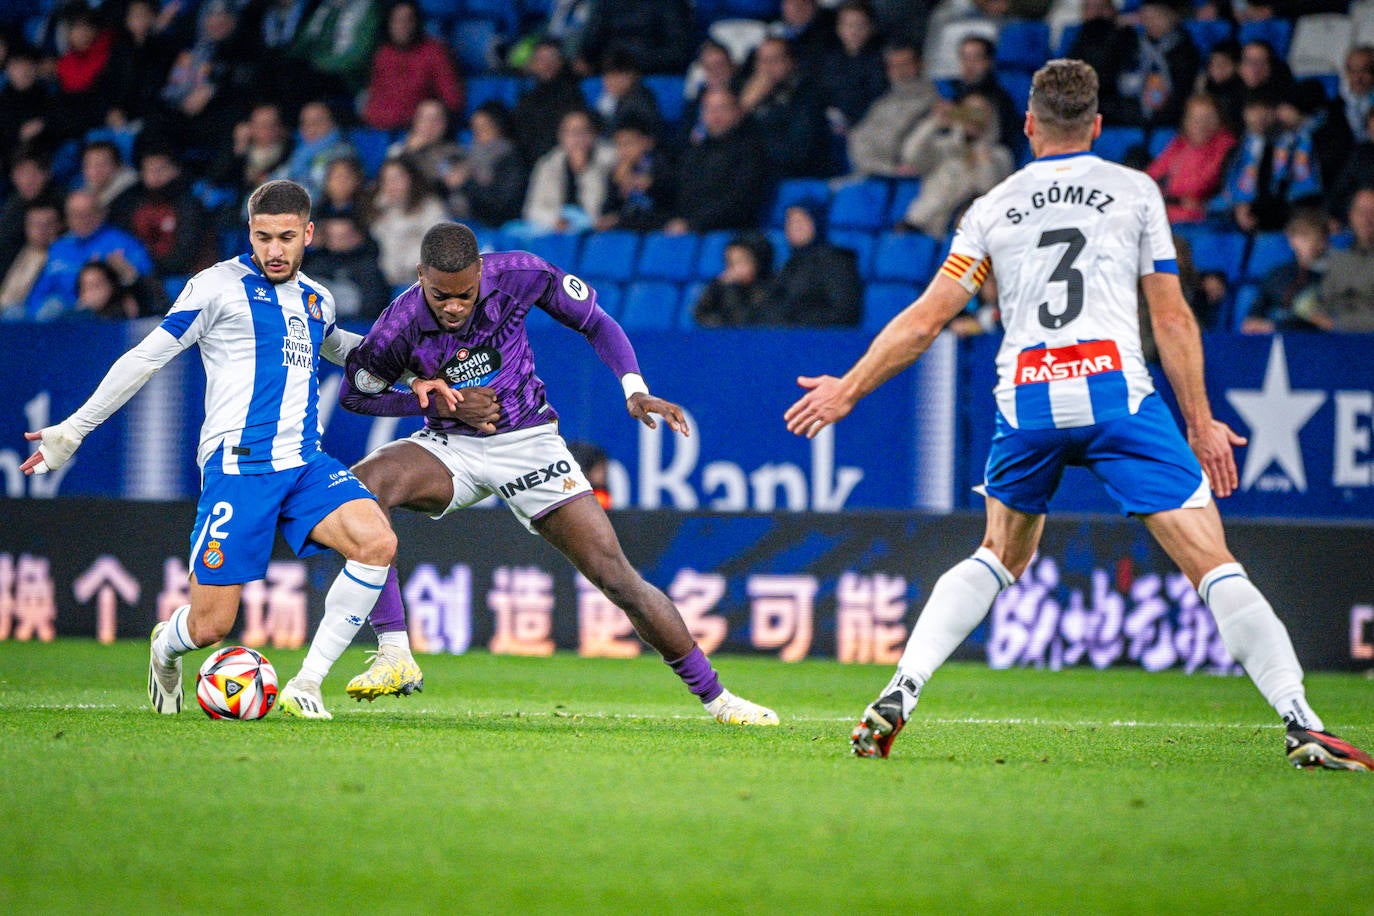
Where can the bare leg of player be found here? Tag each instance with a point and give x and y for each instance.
(582, 533)
(206, 620)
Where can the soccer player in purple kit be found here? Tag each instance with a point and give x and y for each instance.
(489, 429)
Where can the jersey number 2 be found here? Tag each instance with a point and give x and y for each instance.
(1064, 273)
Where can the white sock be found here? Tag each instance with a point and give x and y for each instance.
(175, 639)
(960, 600)
(1256, 638)
(349, 600)
(396, 639)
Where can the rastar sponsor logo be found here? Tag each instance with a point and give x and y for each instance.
(1055, 364)
(535, 478)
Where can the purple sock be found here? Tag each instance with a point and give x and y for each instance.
(389, 615)
(696, 672)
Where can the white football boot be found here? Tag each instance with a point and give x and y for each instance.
(729, 709)
(302, 698)
(164, 681)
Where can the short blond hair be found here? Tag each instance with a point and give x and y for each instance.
(1063, 98)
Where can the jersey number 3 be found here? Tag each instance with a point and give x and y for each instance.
(1064, 273)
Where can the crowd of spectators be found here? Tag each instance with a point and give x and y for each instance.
(133, 130)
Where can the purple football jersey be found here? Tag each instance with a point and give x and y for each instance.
(493, 350)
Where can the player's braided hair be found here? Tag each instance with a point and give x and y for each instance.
(448, 248)
(1064, 97)
(279, 196)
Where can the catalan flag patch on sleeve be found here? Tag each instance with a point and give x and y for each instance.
(965, 271)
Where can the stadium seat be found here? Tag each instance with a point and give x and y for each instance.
(650, 304)
(1159, 138)
(767, 10)
(1320, 43)
(591, 89)
(503, 89)
(475, 44)
(1115, 141)
(1216, 250)
(1269, 250)
(1018, 86)
(444, 10)
(668, 92)
(884, 300)
(793, 191)
(668, 257)
(1024, 44)
(862, 205)
(711, 256)
(371, 145)
(1277, 32)
(1208, 33)
(609, 256)
(1068, 37)
(504, 14)
(173, 285)
(904, 191)
(610, 296)
(691, 292)
(1244, 300)
(861, 243)
(558, 248)
(907, 257)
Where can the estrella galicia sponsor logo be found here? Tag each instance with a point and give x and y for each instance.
(472, 366)
(296, 349)
(535, 478)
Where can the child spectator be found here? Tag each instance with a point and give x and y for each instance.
(1290, 294)
(735, 297)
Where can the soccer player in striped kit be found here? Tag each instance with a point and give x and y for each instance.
(1070, 237)
(262, 327)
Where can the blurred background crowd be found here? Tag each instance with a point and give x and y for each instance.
(708, 164)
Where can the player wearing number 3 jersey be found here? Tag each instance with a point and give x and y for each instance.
(1071, 238)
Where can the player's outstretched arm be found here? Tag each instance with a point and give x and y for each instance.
(643, 406)
(1180, 352)
(339, 344)
(899, 344)
(126, 376)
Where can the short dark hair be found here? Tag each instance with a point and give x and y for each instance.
(1063, 97)
(448, 247)
(279, 196)
(106, 146)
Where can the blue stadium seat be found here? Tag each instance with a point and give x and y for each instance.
(650, 304)
(558, 248)
(1023, 44)
(711, 257)
(907, 257)
(1018, 86)
(1331, 83)
(767, 10)
(443, 10)
(946, 89)
(371, 145)
(1067, 37)
(884, 300)
(503, 89)
(798, 190)
(173, 285)
(1208, 33)
(861, 243)
(1277, 32)
(475, 43)
(1216, 250)
(1269, 250)
(1115, 141)
(862, 205)
(668, 257)
(609, 256)
(691, 292)
(1245, 299)
(610, 296)
(503, 14)
(904, 191)
(667, 89)
(1159, 138)
(591, 89)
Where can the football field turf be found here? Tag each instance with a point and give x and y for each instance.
(516, 785)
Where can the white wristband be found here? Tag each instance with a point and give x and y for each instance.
(633, 383)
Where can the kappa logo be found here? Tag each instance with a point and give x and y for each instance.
(535, 478)
(213, 557)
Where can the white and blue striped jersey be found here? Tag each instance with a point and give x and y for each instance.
(1069, 238)
(260, 343)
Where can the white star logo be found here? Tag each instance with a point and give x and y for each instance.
(1275, 414)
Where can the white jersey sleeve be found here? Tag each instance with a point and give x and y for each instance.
(1068, 238)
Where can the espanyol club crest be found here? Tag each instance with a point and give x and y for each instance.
(213, 558)
(312, 307)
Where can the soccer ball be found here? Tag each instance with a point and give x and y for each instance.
(236, 683)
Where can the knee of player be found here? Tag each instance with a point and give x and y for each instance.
(377, 548)
(207, 630)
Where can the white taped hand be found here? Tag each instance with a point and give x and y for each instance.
(56, 447)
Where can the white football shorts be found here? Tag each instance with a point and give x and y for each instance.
(531, 469)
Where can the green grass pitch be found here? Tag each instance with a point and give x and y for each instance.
(516, 785)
